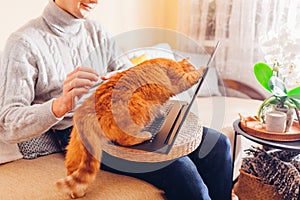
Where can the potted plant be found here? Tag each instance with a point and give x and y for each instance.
(282, 99)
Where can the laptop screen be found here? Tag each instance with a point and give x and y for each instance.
(198, 86)
(200, 82)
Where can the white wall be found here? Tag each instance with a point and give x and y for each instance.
(116, 15)
(123, 15)
(14, 14)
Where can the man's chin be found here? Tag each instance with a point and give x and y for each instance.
(83, 15)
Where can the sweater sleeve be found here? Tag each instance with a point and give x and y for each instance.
(116, 59)
(20, 119)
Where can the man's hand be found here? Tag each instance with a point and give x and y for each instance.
(76, 84)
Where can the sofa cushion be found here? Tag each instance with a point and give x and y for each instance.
(34, 179)
(220, 113)
(39, 146)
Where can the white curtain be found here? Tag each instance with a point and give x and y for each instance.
(238, 24)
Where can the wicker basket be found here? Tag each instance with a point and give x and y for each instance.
(187, 140)
(250, 187)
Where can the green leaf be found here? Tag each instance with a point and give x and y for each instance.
(277, 87)
(263, 73)
(266, 102)
(294, 93)
(296, 103)
(289, 102)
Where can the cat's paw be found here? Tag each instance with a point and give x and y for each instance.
(75, 191)
(145, 135)
(79, 194)
(140, 138)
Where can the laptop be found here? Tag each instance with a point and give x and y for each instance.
(165, 129)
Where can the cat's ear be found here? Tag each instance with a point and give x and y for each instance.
(186, 59)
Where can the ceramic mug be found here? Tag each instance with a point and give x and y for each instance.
(275, 121)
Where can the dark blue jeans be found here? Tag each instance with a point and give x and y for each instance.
(205, 174)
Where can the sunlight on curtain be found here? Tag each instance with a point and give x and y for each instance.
(238, 24)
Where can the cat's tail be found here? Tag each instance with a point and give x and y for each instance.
(83, 152)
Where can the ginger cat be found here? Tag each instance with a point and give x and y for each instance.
(118, 111)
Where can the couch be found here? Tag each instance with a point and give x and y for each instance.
(34, 179)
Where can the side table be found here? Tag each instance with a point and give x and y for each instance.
(291, 145)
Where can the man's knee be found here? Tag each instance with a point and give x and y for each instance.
(224, 142)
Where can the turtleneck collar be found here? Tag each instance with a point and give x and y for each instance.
(61, 22)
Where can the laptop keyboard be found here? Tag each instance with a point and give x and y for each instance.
(156, 125)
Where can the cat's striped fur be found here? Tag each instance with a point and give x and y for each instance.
(118, 111)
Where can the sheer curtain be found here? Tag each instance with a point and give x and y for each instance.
(238, 24)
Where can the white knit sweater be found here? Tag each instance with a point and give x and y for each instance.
(34, 64)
